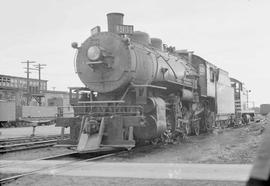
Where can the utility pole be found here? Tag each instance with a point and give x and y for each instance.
(39, 67)
(27, 73)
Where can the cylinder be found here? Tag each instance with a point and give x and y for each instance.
(155, 123)
(187, 95)
(150, 105)
(156, 43)
(113, 20)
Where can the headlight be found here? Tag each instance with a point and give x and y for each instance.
(94, 53)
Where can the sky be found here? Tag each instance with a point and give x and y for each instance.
(232, 34)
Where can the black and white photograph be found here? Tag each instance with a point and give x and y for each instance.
(134, 93)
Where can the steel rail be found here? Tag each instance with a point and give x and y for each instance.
(20, 148)
(25, 143)
(11, 140)
(28, 143)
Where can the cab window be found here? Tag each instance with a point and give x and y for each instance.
(212, 75)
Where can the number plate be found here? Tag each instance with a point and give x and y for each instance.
(124, 29)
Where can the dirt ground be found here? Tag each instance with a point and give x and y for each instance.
(238, 145)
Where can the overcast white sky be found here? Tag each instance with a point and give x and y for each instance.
(232, 34)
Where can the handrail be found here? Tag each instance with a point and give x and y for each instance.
(74, 62)
(150, 86)
(100, 102)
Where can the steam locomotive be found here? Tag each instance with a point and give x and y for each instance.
(138, 89)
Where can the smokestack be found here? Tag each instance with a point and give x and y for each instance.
(113, 20)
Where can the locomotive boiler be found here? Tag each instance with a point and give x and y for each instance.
(138, 89)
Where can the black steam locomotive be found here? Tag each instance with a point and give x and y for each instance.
(138, 89)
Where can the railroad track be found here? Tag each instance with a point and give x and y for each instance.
(24, 143)
(76, 158)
